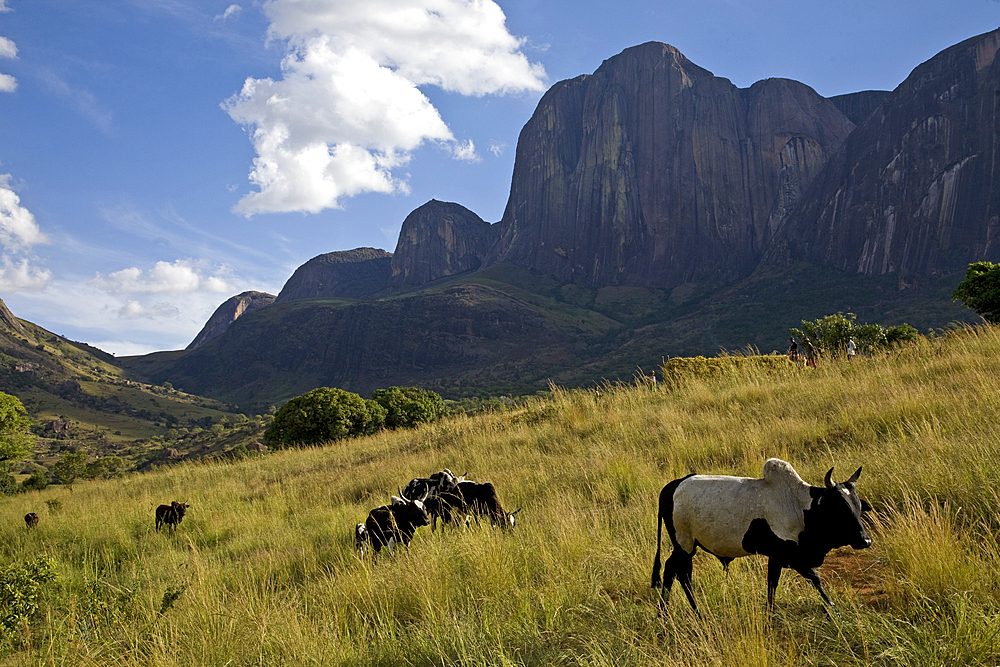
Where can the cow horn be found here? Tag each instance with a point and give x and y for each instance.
(515, 511)
(829, 479)
(854, 477)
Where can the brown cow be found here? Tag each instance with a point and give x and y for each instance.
(31, 519)
(171, 514)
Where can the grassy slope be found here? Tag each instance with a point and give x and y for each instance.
(267, 571)
(107, 412)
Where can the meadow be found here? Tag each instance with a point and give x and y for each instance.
(262, 571)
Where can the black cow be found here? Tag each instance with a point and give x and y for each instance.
(171, 514)
(389, 525)
(482, 500)
(439, 493)
(31, 520)
(779, 516)
(360, 539)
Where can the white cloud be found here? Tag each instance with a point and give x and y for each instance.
(497, 148)
(231, 10)
(18, 233)
(8, 84)
(18, 229)
(466, 152)
(18, 275)
(179, 277)
(7, 48)
(4, 7)
(347, 111)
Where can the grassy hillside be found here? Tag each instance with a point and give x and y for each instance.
(78, 398)
(262, 571)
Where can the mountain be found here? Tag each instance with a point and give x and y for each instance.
(349, 274)
(228, 312)
(653, 172)
(655, 209)
(913, 191)
(438, 240)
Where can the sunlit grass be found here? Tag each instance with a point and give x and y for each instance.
(262, 571)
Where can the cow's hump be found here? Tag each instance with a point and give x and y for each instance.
(777, 471)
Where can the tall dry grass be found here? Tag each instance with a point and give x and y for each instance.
(262, 570)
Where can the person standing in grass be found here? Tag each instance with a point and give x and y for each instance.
(810, 353)
(793, 350)
(852, 349)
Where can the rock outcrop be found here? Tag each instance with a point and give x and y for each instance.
(229, 312)
(654, 172)
(914, 189)
(351, 274)
(8, 320)
(437, 240)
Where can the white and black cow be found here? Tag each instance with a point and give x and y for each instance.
(392, 524)
(779, 516)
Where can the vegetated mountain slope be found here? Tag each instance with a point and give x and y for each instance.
(273, 537)
(77, 397)
(228, 312)
(443, 337)
(914, 191)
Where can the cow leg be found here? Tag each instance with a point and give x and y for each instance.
(812, 576)
(680, 565)
(773, 575)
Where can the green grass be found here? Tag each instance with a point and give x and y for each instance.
(262, 571)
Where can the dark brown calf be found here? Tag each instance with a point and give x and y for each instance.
(31, 519)
(171, 514)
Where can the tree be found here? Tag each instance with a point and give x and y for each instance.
(72, 466)
(15, 442)
(106, 467)
(322, 415)
(831, 333)
(409, 406)
(981, 290)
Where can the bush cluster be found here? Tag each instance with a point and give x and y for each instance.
(326, 414)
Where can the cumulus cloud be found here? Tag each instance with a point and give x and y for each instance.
(231, 10)
(348, 110)
(18, 233)
(4, 7)
(181, 276)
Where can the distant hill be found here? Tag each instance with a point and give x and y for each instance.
(79, 399)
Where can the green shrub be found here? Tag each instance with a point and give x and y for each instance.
(409, 406)
(981, 290)
(323, 415)
(20, 586)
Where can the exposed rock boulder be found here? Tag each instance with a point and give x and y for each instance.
(229, 312)
(439, 239)
(653, 172)
(351, 274)
(914, 190)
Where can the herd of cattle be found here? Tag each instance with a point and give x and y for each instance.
(422, 502)
(779, 516)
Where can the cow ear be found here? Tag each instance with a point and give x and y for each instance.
(855, 476)
(865, 507)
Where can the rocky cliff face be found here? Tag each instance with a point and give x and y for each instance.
(8, 321)
(351, 274)
(439, 239)
(913, 190)
(229, 312)
(654, 172)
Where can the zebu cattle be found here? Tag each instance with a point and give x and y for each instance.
(171, 514)
(31, 520)
(481, 500)
(360, 539)
(779, 516)
(439, 493)
(392, 524)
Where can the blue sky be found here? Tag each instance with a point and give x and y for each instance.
(160, 156)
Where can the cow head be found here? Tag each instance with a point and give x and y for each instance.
(179, 509)
(838, 511)
(511, 518)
